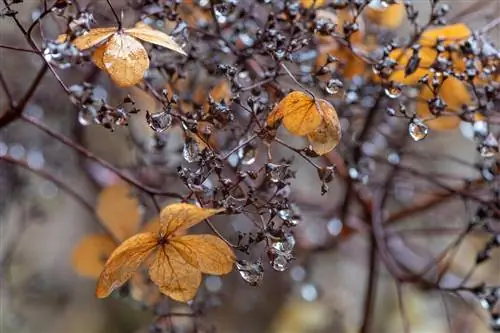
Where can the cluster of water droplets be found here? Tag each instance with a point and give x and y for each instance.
(191, 151)
(251, 272)
(280, 253)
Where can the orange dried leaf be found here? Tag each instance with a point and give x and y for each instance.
(119, 210)
(93, 37)
(327, 136)
(125, 60)
(157, 37)
(173, 275)
(450, 34)
(299, 112)
(312, 3)
(124, 262)
(91, 253)
(183, 216)
(207, 252)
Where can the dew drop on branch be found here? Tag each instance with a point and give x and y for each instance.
(489, 147)
(285, 244)
(251, 272)
(334, 86)
(85, 117)
(279, 262)
(159, 122)
(393, 91)
(247, 154)
(191, 151)
(417, 129)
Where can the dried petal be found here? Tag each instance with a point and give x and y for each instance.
(155, 37)
(93, 37)
(125, 60)
(183, 216)
(124, 262)
(299, 112)
(174, 276)
(327, 136)
(207, 252)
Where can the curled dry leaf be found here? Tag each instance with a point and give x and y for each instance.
(303, 115)
(122, 56)
(299, 112)
(327, 136)
(179, 260)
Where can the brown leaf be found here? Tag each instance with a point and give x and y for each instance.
(155, 37)
(124, 262)
(125, 60)
(183, 216)
(119, 210)
(327, 136)
(207, 252)
(93, 37)
(299, 112)
(173, 275)
(91, 253)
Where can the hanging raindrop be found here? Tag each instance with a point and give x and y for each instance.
(159, 122)
(85, 117)
(393, 91)
(489, 147)
(285, 244)
(191, 151)
(247, 154)
(418, 130)
(252, 273)
(334, 86)
(280, 263)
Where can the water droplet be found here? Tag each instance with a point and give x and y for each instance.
(280, 263)
(34, 110)
(334, 86)
(221, 11)
(191, 151)
(276, 172)
(290, 216)
(85, 117)
(393, 158)
(394, 91)
(247, 154)
(309, 292)
(159, 122)
(334, 226)
(480, 128)
(489, 147)
(284, 245)
(417, 129)
(252, 273)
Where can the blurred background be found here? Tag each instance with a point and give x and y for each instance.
(321, 291)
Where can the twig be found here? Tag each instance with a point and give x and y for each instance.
(118, 21)
(81, 150)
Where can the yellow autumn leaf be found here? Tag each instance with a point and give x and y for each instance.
(122, 56)
(312, 3)
(299, 112)
(93, 37)
(183, 216)
(124, 262)
(179, 260)
(174, 276)
(390, 17)
(91, 253)
(327, 136)
(207, 252)
(153, 36)
(449, 34)
(119, 210)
